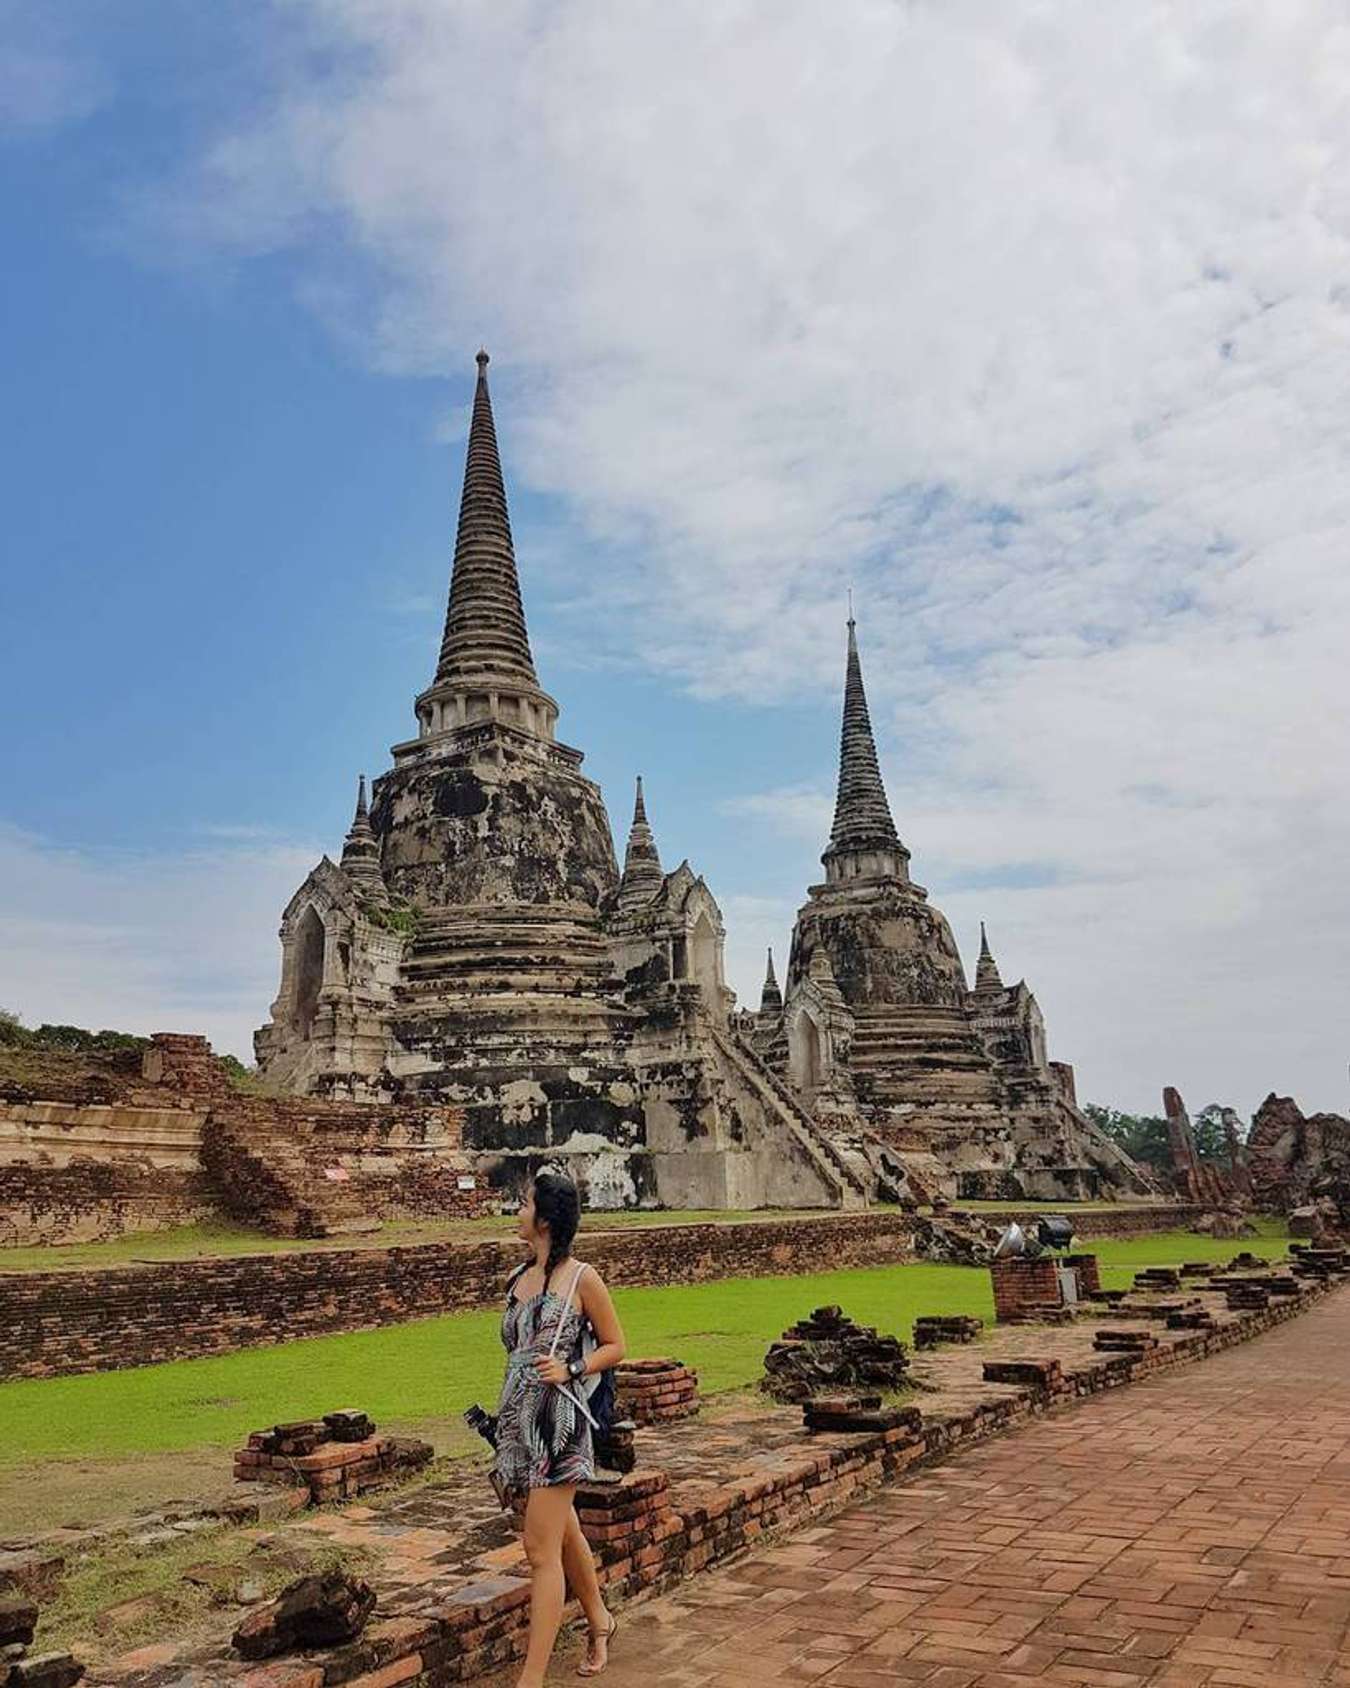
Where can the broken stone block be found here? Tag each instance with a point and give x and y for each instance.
(323, 1611)
(46, 1670)
(18, 1617)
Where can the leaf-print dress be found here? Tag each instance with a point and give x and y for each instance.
(542, 1437)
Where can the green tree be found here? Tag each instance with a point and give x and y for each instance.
(12, 1029)
(1143, 1137)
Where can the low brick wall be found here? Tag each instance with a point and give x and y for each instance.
(1113, 1222)
(56, 1323)
(483, 1625)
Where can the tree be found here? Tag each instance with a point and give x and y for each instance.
(1210, 1137)
(12, 1029)
(1143, 1137)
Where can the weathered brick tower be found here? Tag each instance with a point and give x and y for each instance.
(477, 945)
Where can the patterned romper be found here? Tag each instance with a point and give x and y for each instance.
(543, 1438)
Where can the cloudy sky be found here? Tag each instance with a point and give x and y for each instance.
(1027, 320)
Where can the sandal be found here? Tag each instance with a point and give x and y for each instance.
(586, 1668)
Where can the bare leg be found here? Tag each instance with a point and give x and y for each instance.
(579, 1564)
(546, 1515)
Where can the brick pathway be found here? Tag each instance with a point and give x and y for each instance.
(1187, 1531)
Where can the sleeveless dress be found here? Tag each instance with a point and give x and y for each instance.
(542, 1437)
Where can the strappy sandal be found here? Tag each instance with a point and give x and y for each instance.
(586, 1668)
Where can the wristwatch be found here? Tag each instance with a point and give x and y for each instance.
(576, 1369)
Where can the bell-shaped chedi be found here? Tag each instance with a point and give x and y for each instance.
(889, 948)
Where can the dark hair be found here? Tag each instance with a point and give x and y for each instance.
(557, 1205)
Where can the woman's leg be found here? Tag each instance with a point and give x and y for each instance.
(546, 1515)
(579, 1564)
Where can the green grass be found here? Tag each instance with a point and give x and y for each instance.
(430, 1368)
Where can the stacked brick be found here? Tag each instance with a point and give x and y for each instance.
(655, 1391)
(932, 1329)
(855, 1414)
(828, 1353)
(334, 1458)
(634, 1511)
(1026, 1291)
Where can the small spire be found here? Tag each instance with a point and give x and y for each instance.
(862, 815)
(642, 875)
(361, 851)
(987, 977)
(771, 998)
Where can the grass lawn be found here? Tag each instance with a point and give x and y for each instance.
(87, 1444)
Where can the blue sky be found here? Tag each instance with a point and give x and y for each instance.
(1034, 335)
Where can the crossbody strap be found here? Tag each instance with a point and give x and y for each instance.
(567, 1302)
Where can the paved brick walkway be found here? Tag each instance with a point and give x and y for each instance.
(1187, 1531)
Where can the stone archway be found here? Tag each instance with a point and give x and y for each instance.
(309, 969)
(703, 959)
(806, 1060)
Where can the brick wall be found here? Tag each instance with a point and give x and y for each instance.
(1020, 1284)
(52, 1323)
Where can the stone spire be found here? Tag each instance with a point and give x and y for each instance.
(361, 852)
(642, 876)
(771, 998)
(485, 633)
(987, 977)
(863, 840)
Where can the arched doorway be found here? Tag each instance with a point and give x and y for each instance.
(309, 956)
(805, 1061)
(703, 956)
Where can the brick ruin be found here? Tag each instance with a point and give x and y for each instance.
(135, 1141)
(1300, 1164)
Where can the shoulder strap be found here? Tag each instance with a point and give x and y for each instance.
(567, 1302)
(517, 1275)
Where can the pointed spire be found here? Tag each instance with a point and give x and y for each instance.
(642, 876)
(771, 998)
(361, 851)
(485, 634)
(987, 977)
(862, 816)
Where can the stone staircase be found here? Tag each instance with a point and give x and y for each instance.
(854, 1185)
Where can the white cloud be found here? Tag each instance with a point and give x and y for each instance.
(1029, 320)
(145, 942)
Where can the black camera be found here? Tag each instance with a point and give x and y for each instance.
(484, 1423)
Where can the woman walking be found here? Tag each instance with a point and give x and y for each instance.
(544, 1441)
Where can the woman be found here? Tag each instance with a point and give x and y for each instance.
(544, 1444)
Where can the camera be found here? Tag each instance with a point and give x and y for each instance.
(485, 1423)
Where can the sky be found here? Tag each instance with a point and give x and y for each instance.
(1027, 321)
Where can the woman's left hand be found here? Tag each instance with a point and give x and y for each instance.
(551, 1369)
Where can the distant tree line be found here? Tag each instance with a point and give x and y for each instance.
(78, 1040)
(1144, 1136)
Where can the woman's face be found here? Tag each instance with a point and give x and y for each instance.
(526, 1229)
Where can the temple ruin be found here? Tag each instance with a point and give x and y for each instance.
(880, 1035)
(477, 945)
